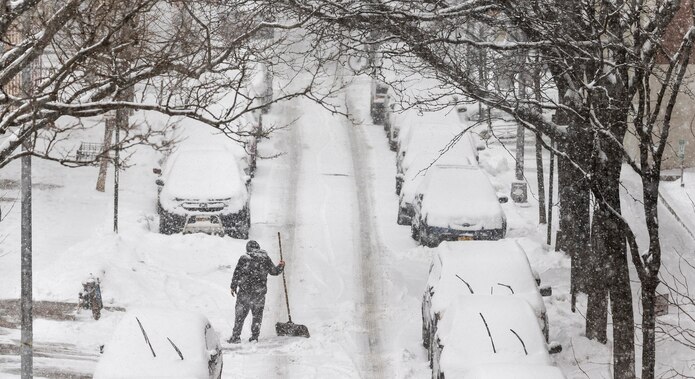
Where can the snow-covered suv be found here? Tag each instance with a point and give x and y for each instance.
(204, 191)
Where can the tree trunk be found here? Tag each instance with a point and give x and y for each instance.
(648, 331)
(650, 278)
(609, 258)
(574, 196)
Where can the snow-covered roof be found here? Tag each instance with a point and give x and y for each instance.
(464, 335)
(127, 354)
(460, 198)
(417, 165)
(205, 175)
(498, 268)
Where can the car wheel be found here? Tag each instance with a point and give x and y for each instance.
(422, 236)
(425, 336)
(401, 220)
(414, 232)
(165, 226)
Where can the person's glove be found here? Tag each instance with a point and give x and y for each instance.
(281, 264)
(233, 292)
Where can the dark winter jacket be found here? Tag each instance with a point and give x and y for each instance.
(251, 272)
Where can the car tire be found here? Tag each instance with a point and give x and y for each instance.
(425, 336)
(401, 219)
(165, 226)
(414, 233)
(426, 239)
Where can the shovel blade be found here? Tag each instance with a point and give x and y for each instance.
(291, 329)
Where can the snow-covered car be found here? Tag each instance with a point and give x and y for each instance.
(457, 203)
(432, 140)
(161, 343)
(463, 153)
(475, 268)
(380, 102)
(199, 187)
(487, 330)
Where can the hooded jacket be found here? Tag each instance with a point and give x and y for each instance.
(251, 272)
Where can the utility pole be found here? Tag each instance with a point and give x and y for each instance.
(539, 145)
(121, 118)
(27, 337)
(519, 191)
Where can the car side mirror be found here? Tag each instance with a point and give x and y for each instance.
(157, 170)
(546, 291)
(480, 147)
(502, 199)
(554, 348)
(159, 182)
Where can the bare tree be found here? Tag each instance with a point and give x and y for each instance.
(181, 58)
(611, 72)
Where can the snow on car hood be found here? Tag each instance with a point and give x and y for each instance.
(488, 267)
(461, 199)
(205, 175)
(127, 354)
(463, 333)
(417, 165)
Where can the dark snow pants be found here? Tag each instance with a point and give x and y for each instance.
(246, 302)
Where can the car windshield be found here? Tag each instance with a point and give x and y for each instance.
(211, 175)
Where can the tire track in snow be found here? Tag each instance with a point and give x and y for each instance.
(369, 246)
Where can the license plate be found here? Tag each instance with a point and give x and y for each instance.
(202, 218)
(465, 238)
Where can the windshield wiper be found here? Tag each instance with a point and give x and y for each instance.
(466, 283)
(506, 285)
(175, 348)
(489, 334)
(146, 339)
(520, 340)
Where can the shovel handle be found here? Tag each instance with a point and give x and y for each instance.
(284, 281)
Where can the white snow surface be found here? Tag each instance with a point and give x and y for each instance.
(460, 198)
(466, 341)
(128, 355)
(484, 265)
(355, 278)
(204, 174)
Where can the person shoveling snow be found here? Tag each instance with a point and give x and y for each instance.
(249, 281)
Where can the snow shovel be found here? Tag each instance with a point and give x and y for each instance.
(289, 328)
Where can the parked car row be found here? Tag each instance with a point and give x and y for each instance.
(482, 310)
(483, 315)
(443, 193)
